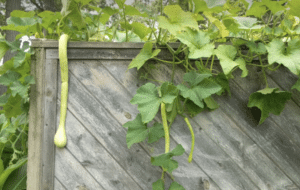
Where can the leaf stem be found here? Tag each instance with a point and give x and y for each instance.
(168, 61)
(264, 73)
(193, 139)
(275, 68)
(124, 15)
(173, 70)
(212, 63)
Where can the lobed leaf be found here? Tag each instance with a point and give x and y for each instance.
(269, 100)
(177, 19)
(13, 107)
(9, 77)
(227, 54)
(140, 29)
(198, 43)
(131, 11)
(18, 88)
(165, 160)
(148, 99)
(137, 131)
(202, 90)
(222, 29)
(288, 55)
(193, 78)
(144, 55)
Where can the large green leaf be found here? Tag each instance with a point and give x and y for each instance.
(231, 24)
(177, 19)
(200, 6)
(137, 131)
(25, 21)
(19, 13)
(19, 58)
(71, 10)
(275, 6)
(140, 29)
(258, 48)
(198, 91)
(257, 9)
(247, 23)
(193, 78)
(269, 100)
(49, 19)
(198, 43)
(130, 10)
(149, 99)
(227, 54)
(4, 99)
(18, 88)
(288, 55)
(222, 28)
(166, 161)
(9, 77)
(13, 107)
(145, 54)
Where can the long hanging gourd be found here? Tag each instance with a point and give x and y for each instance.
(60, 138)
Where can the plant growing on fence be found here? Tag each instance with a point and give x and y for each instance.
(202, 80)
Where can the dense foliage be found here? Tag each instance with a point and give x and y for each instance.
(239, 34)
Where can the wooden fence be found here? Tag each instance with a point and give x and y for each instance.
(231, 152)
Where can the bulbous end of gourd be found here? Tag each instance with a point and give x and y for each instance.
(60, 138)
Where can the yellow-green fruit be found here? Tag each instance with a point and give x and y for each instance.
(60, 138)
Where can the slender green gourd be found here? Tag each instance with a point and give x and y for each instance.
(60, 138)
(193, 139)
(166, 130)
(165, 125)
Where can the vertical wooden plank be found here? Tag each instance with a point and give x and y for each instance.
(48, 153)
(36, 117)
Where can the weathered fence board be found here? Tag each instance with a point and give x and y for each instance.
(231, 151)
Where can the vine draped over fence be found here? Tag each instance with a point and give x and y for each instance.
(263, 34)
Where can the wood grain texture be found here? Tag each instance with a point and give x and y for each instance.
(95, 158)
(49, 126)
(95, 78)
(268, 136)
(110, 134)
(231, 151)
(110, 54)
(242, 150)
(286, 82)
(36, 119)
(58, 185)
(71, 173)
